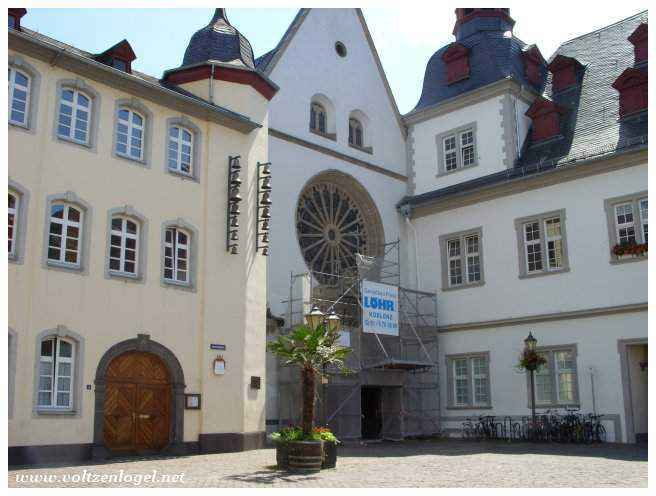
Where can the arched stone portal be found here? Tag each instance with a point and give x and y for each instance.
(166, 373)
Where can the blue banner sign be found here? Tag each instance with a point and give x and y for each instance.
(217, 346)
(380, 308)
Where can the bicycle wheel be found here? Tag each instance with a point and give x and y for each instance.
(600, 433)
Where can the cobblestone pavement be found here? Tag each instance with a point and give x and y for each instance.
(441, 463)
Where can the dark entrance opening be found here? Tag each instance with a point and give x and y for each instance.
(372, 412)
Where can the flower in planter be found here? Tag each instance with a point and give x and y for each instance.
(531, 360)
(631, 248)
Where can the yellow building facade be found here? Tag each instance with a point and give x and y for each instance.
(133, 327)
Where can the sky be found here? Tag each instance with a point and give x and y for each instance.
(405, 37)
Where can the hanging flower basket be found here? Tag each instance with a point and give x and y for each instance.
(630, 249)
(531, 360)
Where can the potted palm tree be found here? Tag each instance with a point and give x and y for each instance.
(309, 347)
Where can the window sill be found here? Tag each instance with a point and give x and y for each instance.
(55, 411)
(464, 286)
(124, 276)
(330, 136)
(458, 169)
(364, 149)
(63, 266)
(71, 141)
(22, 127)
(182, 175)
(629, 259)
(139, 161)
(184, 286)
(543, 406)
(467, 407)
(544, 273)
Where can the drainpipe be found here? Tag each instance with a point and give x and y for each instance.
(406, 211)
(594, 400)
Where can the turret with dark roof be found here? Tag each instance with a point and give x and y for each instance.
(219, 41)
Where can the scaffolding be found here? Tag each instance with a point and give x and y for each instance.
(404, 368)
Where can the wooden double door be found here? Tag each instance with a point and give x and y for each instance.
(137, 411)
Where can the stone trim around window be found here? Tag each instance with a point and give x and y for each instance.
(450, 384)
(20, 230)
(193, 255)
(147, 139)
(609, 207)
(87, 211)
(196, 151)
(21, 64)
(142, 246)
(444, 258)
(554, 381)
(60, 331)
(439, 142)
(94, 120)
(521, 255)
(12, 351)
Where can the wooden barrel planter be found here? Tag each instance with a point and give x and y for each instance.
(282, 456)
(305, 456)
(329, 455)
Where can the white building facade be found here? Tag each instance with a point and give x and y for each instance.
(518, 191)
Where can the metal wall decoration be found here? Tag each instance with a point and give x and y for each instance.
(234, 198)
(263, 208)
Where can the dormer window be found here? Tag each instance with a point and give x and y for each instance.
(120, 57)
(565, 72)
(632, 86)
(639, 40)
(456, 59)
(15, 18)
(533, 64)
(546, 117)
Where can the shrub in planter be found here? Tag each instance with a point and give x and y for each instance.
(286, 439)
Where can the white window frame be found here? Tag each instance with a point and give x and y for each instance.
(466, 258)
(626, 225)
(544, 241)
(56, 360)
(75, 108)
(65, 223)
(533, 243)
(12, 85)
(179, 142)
(453, 146)
(175, 245)
(638, 223)
(11, 249)
(553, 376)
(124, 236)
(132, 127)
(473, 399)
(644, 221)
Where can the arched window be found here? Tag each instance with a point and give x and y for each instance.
(124, 246)
(176, 255)
(130, 134)
(356, 133)
(12, 209)
(180, 150)
(56, 373)
(65, 234)
(19, 97)
(318, 118)
(73, 122)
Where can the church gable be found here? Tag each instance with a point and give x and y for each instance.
(326, 62)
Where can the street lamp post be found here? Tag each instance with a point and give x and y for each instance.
(529, 346)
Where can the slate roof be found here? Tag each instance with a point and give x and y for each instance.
(146, 78)
(591, 129)
(492, 57)
(218, 41)
(591, 124)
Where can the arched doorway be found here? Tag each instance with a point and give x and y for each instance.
(137, 411)
(131, 365)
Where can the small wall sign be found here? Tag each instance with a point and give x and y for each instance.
(192, 401)
(219, 365)
(215, 346)
(255, 382)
